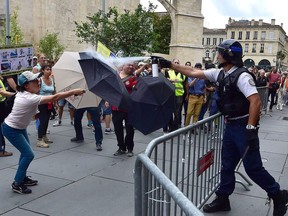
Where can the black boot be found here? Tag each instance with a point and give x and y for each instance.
(220, 203)
(280, 201)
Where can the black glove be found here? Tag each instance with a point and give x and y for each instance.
(164, 63)
(252, 139)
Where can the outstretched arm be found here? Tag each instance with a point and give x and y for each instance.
(185, 70)
(61, 95)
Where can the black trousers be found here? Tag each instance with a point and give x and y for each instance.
(44, 116)
(126, 142)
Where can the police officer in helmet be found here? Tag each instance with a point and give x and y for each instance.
(240, 103)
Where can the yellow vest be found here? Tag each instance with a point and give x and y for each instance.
(2, 98)
(179, 86)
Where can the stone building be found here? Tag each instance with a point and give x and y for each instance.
(261, 42)
(211, 38)
(36, 17)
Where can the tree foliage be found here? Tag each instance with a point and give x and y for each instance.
(161, 33)
(15, 30)
(50, 46)
(130, 32)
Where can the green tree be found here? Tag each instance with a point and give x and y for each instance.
(130, 32)
(161, 33)
(15, 30)
(50, 46)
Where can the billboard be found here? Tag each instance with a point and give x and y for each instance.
(14, 60)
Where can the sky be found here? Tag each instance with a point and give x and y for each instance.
(217, 12)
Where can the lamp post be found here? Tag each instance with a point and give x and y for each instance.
(8, 37)
(103, 7)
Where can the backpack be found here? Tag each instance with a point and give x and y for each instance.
(6, 107)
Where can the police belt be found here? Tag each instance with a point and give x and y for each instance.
(235, 120)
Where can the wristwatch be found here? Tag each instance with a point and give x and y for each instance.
(250, 127)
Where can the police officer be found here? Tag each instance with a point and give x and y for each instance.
(239, 101)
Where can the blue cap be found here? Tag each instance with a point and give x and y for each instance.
(27, 76)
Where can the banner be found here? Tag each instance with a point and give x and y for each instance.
(104, 51)
(15, 60)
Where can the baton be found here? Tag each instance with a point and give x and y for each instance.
(240, 162)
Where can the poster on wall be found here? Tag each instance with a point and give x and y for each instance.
(15, 60)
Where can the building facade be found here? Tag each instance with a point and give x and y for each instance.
(37, 17)
(211, 38)
(263, 43)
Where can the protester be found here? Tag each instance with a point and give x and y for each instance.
(274, 83)
(61, 104)
(46, 88)
(118, 116)
(196, 97)
(240, 103)
(281, 92)
(95, 118)
(106, 115)
(3, 97)
(262, 80)
(178, 80)
(15, 125)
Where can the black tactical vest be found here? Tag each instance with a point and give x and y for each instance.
(232, 102)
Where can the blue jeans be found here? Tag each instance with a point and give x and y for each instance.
(234, 145)
(20, 140)
(95, 117)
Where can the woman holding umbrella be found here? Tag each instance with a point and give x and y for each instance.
(15, 125)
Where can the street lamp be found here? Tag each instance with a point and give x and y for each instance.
(8, 37)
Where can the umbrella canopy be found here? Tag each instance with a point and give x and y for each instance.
(69, 75)
(105, 82)
(153, 102)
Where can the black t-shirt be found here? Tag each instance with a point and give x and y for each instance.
(261, 81)
(8, 88)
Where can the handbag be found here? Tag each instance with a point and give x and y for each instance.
(275, 85)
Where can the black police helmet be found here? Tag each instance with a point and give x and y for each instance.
(232, 52)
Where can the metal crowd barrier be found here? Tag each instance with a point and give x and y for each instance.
(179, 171)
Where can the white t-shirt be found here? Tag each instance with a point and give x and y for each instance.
(245, 82)
(24, 108)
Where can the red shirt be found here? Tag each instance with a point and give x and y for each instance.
(273, 77)
(129, 84)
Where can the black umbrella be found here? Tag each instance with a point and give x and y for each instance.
(104, 81)
(152, 105)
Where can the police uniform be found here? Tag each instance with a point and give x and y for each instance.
(234, 143)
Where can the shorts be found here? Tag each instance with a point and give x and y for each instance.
(107, 111)
(62, 103)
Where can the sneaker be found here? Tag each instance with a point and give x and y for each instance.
(90, 125)
(41, 143)
(20, 188)
(280, 201)
(130, 154)
(57, 123)
(119, 152)
(72, 123)
(220, 203)
(98, 147)
(77, 140)
(29, 182)
(47, 140)
(5, 154)
(109, 131)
